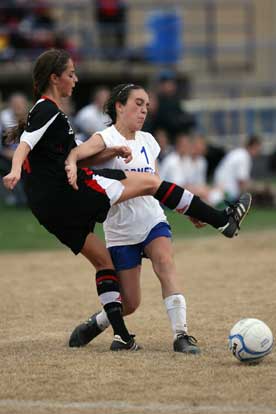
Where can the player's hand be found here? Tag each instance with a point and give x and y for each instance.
(124, 152)
(71, 171)
(11, 179)
(197, 223)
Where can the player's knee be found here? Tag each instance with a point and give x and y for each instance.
(163, 261)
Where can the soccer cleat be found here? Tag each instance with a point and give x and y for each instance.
(185, 343)
(85, 332)
(236, 213)
(119, 345)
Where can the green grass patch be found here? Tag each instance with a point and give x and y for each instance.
(19, 230)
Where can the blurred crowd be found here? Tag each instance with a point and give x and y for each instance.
(186, 157)
(28, 28)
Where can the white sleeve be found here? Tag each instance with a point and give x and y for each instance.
(32, 138)
(243, 169)
(108, 138)
(154, 146)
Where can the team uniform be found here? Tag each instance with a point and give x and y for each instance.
(131, 225)
(70, 215)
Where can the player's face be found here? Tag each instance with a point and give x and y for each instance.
(67, 80)
(134, 112)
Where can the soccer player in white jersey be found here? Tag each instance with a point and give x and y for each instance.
(139, 228)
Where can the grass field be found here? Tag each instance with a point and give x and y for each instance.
(44, 294)
(19, 230)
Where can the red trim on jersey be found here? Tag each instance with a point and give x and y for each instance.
(168, 193)
(87, 171)
(94, 185)
(27, 166)
(49, 99)
(110, 277)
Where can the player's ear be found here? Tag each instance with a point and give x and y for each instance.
(54, 78)
(118, 106)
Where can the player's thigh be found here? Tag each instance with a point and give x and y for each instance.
(138, 184)
(95, 251)
(130, 288)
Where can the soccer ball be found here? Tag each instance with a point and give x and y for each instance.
(250, 340)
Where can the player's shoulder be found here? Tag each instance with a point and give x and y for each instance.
(46, 106)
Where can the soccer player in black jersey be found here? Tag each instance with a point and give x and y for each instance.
(47, 146)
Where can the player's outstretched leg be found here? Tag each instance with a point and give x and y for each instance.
(227, 221)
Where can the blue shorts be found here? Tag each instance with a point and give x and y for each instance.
(127, 257)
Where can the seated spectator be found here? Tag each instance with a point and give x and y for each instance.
(176, 166)
(91, 117)
(233, 172)
(197, 180)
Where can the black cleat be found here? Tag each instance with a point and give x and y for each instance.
(85, 332)
(119, 345)
(236, 213)
(186, 344)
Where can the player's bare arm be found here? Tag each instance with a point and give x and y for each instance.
(21, 152)
(106, 155)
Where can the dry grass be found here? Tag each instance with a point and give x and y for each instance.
(43, 295)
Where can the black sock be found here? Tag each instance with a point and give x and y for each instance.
(203, 212)
(171, 194)
(115, 317)
(107, 283)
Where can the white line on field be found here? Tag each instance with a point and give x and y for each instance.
(123, 405)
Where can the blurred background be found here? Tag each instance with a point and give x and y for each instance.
(209, 67)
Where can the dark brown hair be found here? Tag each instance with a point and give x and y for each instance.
(118, 94)
(51, 61)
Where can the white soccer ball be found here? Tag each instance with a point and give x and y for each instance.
(250, 340)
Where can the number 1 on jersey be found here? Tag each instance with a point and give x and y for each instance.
(143, 150)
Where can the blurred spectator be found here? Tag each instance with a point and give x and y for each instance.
(110, 16)
(166, 148)
(91, 117)
(233, 172)
(27, 28)
(170, 114)
(9, 117)
(16, 110)
(198, 171)
(150, 124)
(197, 180)
(176, 166)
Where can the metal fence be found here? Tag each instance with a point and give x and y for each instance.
(228, 122)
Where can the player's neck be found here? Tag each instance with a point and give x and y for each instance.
(125, 132)
(49, 94)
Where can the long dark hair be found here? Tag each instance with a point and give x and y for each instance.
(118, 94)
(51, 61)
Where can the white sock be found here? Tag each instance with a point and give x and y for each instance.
(102, 320)
(176, 309)
(184, 202)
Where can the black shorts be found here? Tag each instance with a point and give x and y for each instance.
(71, 215)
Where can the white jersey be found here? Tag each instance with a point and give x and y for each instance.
(234, 167)
(176, 169)
(131, 221)
(198, 171)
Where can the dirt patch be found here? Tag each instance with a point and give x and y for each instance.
(44, 295)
